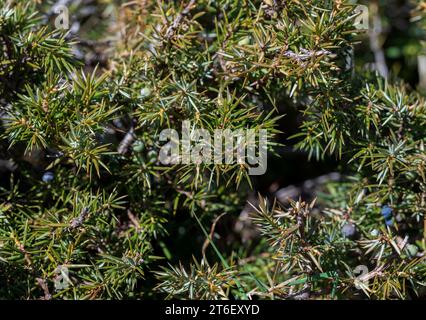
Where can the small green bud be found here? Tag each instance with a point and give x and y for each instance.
(138, 146)
(152, 156)
(244, 41)
(412, 250)
(145, 92)
(374, 233)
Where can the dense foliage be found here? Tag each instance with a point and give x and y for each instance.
(86, 203)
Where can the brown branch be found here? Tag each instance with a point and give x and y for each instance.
(172, 29)
(42, 283)
(213, 227)
(376, 45)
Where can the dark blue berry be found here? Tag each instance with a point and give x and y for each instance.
(48, 177)
(349, 231)
(389, 222)
(387, 212)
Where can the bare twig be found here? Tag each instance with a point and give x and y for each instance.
(77, 222)
(376, 47)
(134, 220)
(207, 241)
(172, 29)
(42, 283)
(127, 141)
